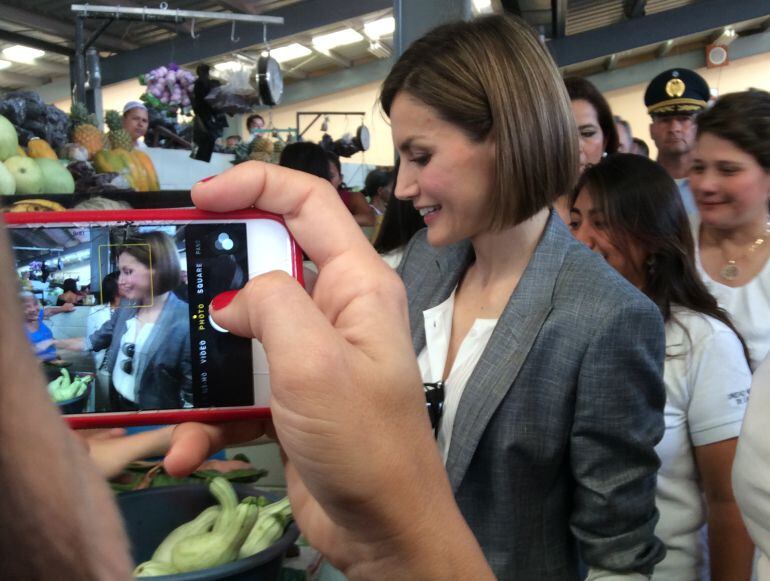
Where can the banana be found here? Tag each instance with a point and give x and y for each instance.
(36, 205)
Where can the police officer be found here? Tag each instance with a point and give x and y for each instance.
(673, 99)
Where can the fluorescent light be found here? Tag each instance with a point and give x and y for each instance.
(22, 54)
(335, 39)
(5, 64)
(228, 66)
(482, 5)
(289, 52)
(379, 28)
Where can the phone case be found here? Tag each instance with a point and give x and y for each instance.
(181, 216)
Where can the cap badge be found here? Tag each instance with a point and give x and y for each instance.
(675, 88)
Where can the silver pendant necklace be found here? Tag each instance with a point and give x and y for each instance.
(731, 270)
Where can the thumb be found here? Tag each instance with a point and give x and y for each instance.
(273, 308)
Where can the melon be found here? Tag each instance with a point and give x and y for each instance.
(9, 140)
(56, 178)
(26, 173)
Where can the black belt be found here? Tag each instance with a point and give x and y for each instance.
(118, 403)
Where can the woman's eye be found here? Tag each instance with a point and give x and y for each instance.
(599, 225)
(573, 225)
(421, 159)
(587, 134)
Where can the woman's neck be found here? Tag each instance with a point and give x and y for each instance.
(151, 311)
(741, 235)
(506, 254)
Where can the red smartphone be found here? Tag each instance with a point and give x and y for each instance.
(139, 346)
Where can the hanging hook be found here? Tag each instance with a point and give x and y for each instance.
(192, 30)
(233, 38)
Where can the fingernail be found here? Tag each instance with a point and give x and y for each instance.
(204, 180)
(223, 299)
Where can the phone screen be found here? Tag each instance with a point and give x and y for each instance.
(140, 327)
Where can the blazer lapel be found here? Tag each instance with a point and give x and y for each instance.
(508, 348)
(440, 274)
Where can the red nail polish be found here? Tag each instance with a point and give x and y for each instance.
(223, 299)
(204, 180)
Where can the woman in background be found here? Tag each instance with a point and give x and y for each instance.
(354, 201)
(38, 333)
(730, 179)
(597, 133)
(628, 209)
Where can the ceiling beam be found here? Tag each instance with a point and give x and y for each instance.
(17, 38)
(653, 29)
(215, 40)
(664, 48)
(634, 8)
(62, 26)
(558, 18)
(332, 56)
(742, 47)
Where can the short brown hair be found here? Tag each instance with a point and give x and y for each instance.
(491, 77)
(742, 119)
(157, 251)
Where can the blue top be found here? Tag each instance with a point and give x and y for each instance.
(42, 340)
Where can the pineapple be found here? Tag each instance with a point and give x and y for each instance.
(261, 156)
(84, 131)
(119, 137)
(278, 148)
(261, 145)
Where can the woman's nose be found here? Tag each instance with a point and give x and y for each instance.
(405, 189)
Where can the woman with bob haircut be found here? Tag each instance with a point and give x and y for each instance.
(730, 179)
(549, 360)
(628, 210)
(148, 336)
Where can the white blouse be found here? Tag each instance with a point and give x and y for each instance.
(432, 359)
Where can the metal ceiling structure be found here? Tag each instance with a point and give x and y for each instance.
(588, 37)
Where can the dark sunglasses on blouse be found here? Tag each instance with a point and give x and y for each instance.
(128, 364)
(434, 401)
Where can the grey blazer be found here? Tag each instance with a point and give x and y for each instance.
(552, 455)
(164, 369)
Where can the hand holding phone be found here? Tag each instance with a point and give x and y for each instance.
(347, 399)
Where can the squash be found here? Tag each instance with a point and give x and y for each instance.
(149, 168)
(37, 147)
(138, 177)
(20, 151)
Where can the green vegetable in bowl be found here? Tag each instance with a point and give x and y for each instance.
(221, 544)
(268, 528)
(64, 387)
(220, 534)
(200, 524)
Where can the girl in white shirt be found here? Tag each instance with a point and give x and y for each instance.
(628, 209)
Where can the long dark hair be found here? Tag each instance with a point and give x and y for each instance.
(399, 223)
(640, 203)
(580, 88)
(306, 156)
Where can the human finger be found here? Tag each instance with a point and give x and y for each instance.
(192, 442)
(310, 206)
